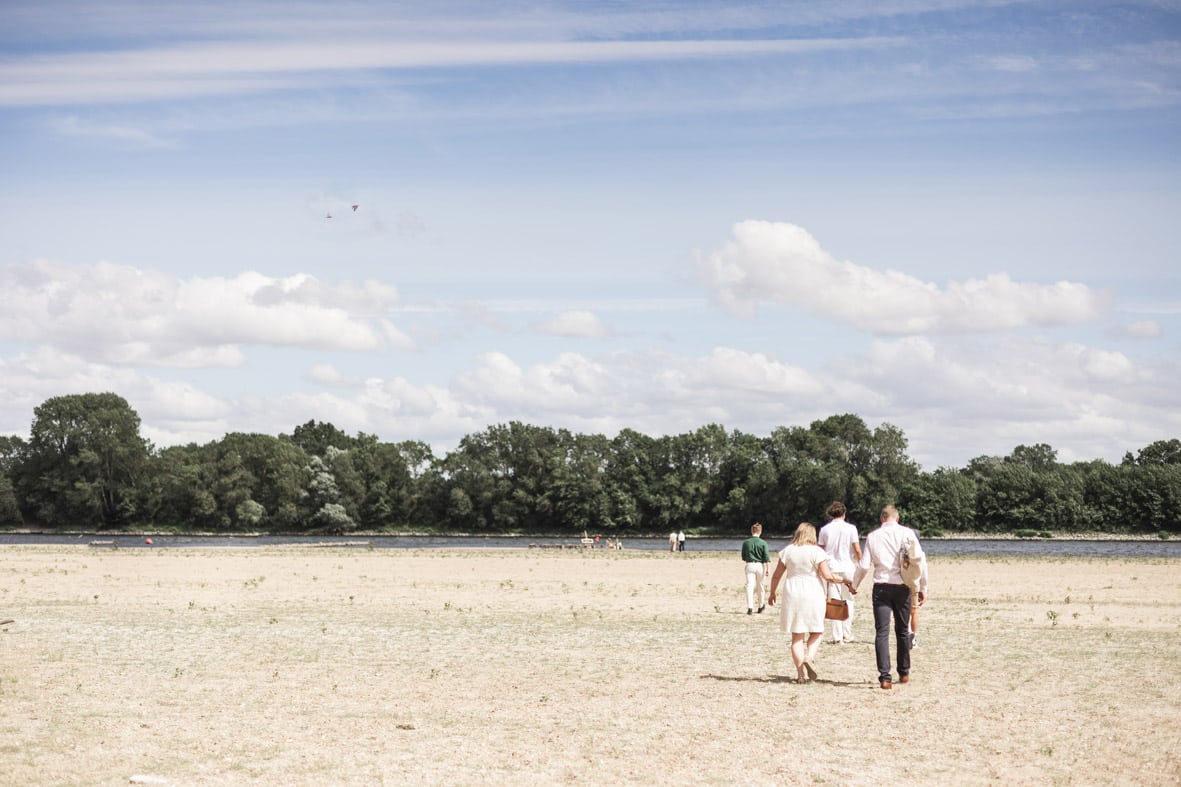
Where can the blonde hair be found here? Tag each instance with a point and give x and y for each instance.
(805, 534)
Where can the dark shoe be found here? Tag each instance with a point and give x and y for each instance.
(904, 679)
(887, 684)
(762, 608)
(750, 611)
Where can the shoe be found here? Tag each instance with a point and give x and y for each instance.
(762, 608)
(887, 684)
(810, 668)
(904, 679)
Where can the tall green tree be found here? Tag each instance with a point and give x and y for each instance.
(83, 460)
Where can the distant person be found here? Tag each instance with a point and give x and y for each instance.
(891, 596)
(913, 572)
(757, 561)
(802, 613)
(839, 540)
(680, 540)
(672, 541)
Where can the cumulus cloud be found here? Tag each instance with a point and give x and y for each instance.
(782, 263)
(954, 397)
(575, 324)
(125, 315)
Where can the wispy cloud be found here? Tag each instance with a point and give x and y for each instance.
(74, 126)
(200, 69)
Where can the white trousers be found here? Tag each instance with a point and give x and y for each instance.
(754, 584)
(841, 629)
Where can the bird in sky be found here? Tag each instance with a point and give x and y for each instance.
(355, 208)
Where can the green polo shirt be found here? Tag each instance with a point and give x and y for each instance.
(754, 550)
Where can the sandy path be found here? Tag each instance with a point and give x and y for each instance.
(304, 665)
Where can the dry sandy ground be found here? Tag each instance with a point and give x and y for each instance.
(305, 665)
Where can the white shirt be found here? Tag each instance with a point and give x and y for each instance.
(883, 548)
(838, 538)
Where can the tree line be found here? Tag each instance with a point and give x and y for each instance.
(85, 466)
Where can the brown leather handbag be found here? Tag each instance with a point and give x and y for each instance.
(836, 609)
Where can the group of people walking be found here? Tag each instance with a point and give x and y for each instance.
(815, 567)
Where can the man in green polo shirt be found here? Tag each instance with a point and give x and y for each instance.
(758, 567)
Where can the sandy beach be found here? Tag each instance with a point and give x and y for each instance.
(311, 666)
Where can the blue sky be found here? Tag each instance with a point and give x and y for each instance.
(957, 217)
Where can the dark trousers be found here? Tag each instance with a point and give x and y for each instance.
(891, 601)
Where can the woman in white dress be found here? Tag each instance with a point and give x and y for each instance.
(802, 613)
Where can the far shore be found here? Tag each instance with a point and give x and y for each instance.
(966, 536)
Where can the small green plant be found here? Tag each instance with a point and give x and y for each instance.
(1053, 616)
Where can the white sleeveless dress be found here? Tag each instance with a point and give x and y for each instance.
(802, 608)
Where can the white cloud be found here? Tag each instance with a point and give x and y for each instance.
(137, 137)
(954, 398)
(236, 67)
(1143, 329)
(121, 314)
(578, 323)
(769, 262)
(327, 374)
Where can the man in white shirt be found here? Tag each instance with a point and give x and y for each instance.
(839, 540)
(891, 595)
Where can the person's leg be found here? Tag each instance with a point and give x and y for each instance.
(901, 622)
(914, 619)
(760, 585)
(799, 653)
(810, 652)
(883, 610)
(751, 581)
(847, 623)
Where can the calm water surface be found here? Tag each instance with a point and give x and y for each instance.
(934, 546)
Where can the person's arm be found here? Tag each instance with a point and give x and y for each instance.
(828, 576)
(863, 561)
(779, 569)
(919, 553)
(856, 548)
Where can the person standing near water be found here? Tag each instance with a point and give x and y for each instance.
(757, 560)
(839, 540)
(891, 596)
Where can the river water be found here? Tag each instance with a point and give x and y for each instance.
(936, 547)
